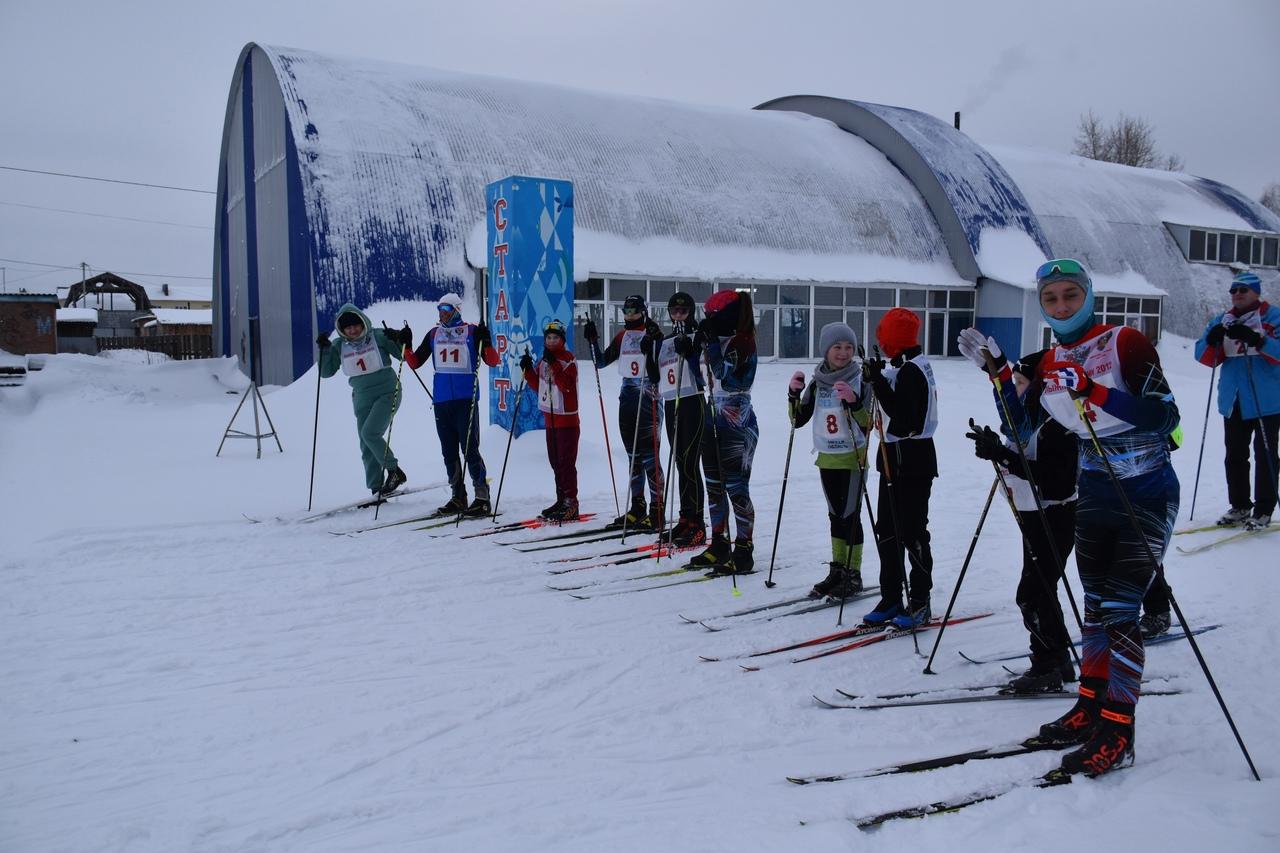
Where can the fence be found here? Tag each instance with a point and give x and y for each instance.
(175, 346)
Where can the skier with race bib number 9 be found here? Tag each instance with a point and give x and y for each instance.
(364, 355)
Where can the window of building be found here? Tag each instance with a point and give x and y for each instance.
(1225, 247)
(1196, 250)
(1269, 254)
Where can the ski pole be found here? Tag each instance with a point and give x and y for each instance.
(1058, 559)
(786, 473)
(955, 593)
(1203, 433)
(604, 427)
(414, 371)
(471, 419)
(391, 422)
(631, 464)
(898, 544)
(1262, 424)
(857, 508)
(315, 436)
(671, 456)
(1159, 570)
(721, 479)
(515, 413)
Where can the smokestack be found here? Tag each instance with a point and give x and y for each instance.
(957, 119)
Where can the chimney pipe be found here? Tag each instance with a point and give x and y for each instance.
(957, 119)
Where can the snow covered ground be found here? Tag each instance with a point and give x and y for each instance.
(176, 678)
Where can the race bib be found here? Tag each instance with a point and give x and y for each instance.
(630, 356)
(1234, 348)
(450, 351)
(675, 376)
(361, 357)
(831, 432)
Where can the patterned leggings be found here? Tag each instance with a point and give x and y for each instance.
(1115, 571)
(728, 447)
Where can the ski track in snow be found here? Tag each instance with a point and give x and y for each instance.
(177, 678)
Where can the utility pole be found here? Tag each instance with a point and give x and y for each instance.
(83, 274)
(4, 280)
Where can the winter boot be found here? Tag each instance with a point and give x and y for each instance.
(1234, 517)
(919, 615)
(1109, 747)
(848, 584)
(395, 479)
(1077, 725)
(552, 512)
(688, 533)
(1257, 522)
(479, 509)
(456, 504)
(1152, 625)
(568, 512)
(1044, 676)
(715, 556)
(823, 587)
(632, 519)
(884, 611)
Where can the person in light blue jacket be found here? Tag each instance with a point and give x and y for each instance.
(1244, 342)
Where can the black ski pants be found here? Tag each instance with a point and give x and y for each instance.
(685, 419)
(1037, 594)
(1238, 434)
(907, 501)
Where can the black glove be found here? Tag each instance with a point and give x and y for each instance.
(682, 344)
(483, 338)
(548, 356)
(873, 368)
(406, 336)
(526, 362)
(322, 340)
(1216, 334)
(1244, 334)
(987, 443)
(647, 342)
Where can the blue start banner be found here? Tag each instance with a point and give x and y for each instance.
(530, 226)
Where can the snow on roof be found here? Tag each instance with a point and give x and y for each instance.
(178, 316)
(77, 315)
(1112, 218)
(404, 153)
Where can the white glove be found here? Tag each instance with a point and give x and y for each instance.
(974, 346)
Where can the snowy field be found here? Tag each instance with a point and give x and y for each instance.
(176, 678)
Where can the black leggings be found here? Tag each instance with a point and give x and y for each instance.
(684, 431)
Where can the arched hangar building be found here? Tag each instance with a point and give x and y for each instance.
(353, 180)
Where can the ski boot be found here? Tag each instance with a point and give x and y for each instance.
(1109, 747)
(823, 588)
(919, 615)
(688, 534)
(479, 508)
(1152, 625)
(1257, 522)
(716, 556)
(1046, 675)
(632, 519)
(395, 479)
(883, 613)
(456, 504)
(552, 512)
(744, 560)
(1234, 517)
(568, 512)
(1077, 725)
(847, 585)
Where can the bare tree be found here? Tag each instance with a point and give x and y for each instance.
(1271, 198)
(1130, 141)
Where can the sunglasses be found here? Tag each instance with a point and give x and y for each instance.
(1240, 289)
(1061, 266)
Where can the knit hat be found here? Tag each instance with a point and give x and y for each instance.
(832, 334)
(720, 301)
(1067, 269)
(1248, 279)
(452, 300)
(898, 331)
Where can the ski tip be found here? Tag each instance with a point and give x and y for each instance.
(706, 659)
(748, 668)
(710, 628)
(798, 780)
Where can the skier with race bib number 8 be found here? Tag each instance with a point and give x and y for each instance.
(364, 355)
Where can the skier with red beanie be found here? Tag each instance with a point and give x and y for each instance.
(907, 463)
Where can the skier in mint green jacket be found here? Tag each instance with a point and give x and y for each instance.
(364, 354)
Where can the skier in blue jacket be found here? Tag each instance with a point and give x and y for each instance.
(1245, 343)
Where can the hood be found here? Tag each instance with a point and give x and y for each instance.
(368, 327)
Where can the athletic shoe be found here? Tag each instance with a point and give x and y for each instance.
(395, 479)
(1153, 624)
(823, 587)
(1257, 522)
(884, 612)
(456, 504)
(1234, 517)
(1109, 747)
(479, 509)
(848, 584)
(1077, 724)
(917, 617)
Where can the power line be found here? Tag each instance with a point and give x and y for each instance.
(106, 215)
(118, 272)
(107, 180)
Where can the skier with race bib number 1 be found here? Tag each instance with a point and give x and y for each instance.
(454, 349)
(364, 355)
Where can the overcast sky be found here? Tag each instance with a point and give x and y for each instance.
(137, 90)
